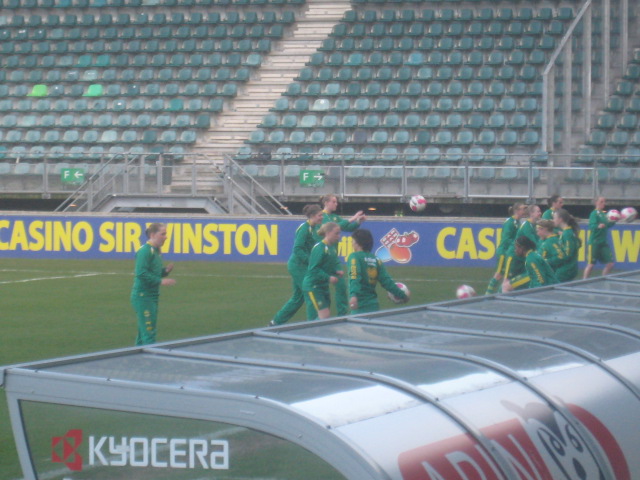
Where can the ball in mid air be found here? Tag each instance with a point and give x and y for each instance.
(417, 203)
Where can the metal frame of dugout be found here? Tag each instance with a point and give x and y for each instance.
(541, 383)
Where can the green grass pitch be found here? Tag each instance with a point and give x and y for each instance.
(55, 308)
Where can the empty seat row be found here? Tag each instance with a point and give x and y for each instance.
(430, 88)
(63, 105)
(588, 155)
(463, 43)
(406, 104)
(122, 19)
(235, 32)
(190, 89)
(90, 136)
(371, 153)
(496, 120)
(434, 58)
(455, 29)
(114, 47)
(140, 60)
(465, 137)
(105, 120)
(506, 14)
(79, 153)
(46, 4)
(525, 73)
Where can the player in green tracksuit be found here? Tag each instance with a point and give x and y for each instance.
(537, 273)
(507, 238)
(329, 206)
(599, 249)
(570, 241)
(550, 247)
(149, 276)
(298, 263)
(365, 272)
(324, 269)
(515, 263)
(555, 203)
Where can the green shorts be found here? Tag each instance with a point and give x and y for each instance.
(600, 252)
(320, 298)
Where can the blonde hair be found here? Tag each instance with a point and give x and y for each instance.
(154, 228)
(327, 227)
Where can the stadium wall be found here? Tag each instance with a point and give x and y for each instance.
(399, 241)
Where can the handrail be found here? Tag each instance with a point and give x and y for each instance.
(547, 103)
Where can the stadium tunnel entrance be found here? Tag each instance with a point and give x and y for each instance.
(540, 383)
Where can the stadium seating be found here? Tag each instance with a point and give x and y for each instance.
(76, 65)
(483, 64)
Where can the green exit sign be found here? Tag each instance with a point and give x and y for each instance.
(311, 178)
(72, 175)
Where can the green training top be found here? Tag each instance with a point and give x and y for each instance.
(323, 263)
(570, 244)
(538, 272)
(548, 213)
(598, 236)
(551, 250)
(508, 236)
(528, 229)
(302, 245)
(148, 271)
(345, 225)
(365, 271)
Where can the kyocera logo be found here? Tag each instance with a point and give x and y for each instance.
(158, 452)
(65, 449)
(539, 444)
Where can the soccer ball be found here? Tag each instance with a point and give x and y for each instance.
(465, 291)
(402, 287)
(417, 203)
(628, 214)
(613, 215)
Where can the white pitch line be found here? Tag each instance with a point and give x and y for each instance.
(26, 280)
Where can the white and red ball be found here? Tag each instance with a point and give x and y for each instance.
(417, 203)
(465, 291)
(613, 215)
(628, 214)
(402, 287)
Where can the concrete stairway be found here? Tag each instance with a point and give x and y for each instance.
(313, 24)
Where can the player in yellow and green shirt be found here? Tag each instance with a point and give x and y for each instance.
(599, 249)
(570, 241)
(507, 238)
(365, 272)
(515, 263)
(298, 263)
(324, 269)
(149, 276)
(329, 206)
(550, 247)
(537, 273)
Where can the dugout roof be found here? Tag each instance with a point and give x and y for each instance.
(390, 395)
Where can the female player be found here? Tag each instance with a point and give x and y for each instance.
(149, 275)
(570, 241)
(324, 269)
(555, 203)
(515, 262)
(550, 246)
(508, 237)
(537, 273)
(599, 250)
(329, 206)
(298, 263)
(365, 271)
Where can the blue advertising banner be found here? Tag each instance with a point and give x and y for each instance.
(400, 241)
